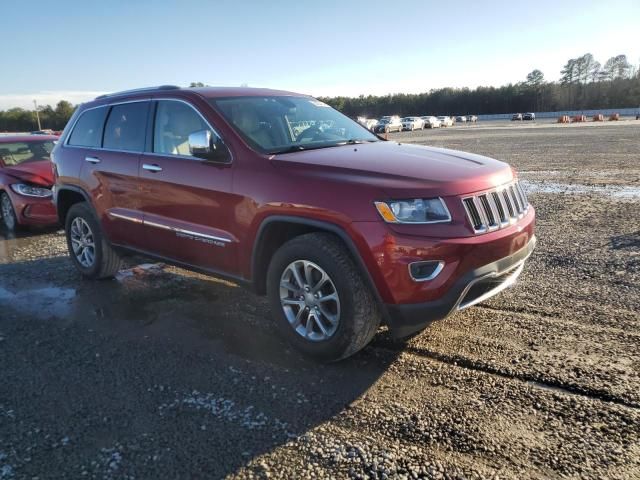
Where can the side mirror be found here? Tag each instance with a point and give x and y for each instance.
(202, 145)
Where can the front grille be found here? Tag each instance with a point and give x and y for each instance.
(497, 208)
(473, 213)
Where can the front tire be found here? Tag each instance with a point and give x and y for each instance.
(8, 214)
(320, 301)
(90, 252)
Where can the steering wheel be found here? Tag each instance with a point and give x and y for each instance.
(311, 132)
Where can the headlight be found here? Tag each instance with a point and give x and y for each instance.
(417, 210)
(29, 191)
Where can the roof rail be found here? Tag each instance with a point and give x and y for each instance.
(137, 90)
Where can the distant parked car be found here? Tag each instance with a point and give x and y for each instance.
(43, 132)
(388, 124)
(472, 118)
(412, 123)
(461, 119)
(368, 123)
(529, 116)
(26, 178)
(516, 116)
(431, 122)
(445, 121)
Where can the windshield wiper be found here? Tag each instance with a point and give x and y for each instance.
(352, 141)
(292, 148)
(298, 148)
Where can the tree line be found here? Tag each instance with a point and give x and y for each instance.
(21, 120)
(584, 84)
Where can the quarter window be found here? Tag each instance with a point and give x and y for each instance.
(88, 129)
(174, 122)
(125, 129)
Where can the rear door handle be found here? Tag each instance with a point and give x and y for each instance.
(92, 159)
(151, 167)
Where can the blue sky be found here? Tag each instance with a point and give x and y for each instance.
(75, 48)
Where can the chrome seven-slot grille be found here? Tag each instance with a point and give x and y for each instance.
(497, 208)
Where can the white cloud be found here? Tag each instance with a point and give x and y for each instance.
(25, 100)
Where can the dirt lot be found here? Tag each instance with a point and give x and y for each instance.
(166, 374)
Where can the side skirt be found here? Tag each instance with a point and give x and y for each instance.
(243, 282)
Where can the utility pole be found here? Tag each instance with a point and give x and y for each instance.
(37, 114)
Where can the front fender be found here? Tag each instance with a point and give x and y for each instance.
(352, 239)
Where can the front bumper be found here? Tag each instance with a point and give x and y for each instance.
(33, 210)
(474, 287)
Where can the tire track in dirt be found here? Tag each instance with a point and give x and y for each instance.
(533, 379)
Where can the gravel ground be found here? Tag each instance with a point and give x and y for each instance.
(166, 374)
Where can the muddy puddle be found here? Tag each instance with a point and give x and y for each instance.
(41, 302)
(148, 300)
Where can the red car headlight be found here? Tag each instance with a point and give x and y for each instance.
(31, 191)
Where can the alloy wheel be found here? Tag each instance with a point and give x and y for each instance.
(310, 300)
(82, 242)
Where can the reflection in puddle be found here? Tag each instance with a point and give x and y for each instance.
(8, 244)
(149, 300)
(41, 302)
(621, 192)
(49, 301)
(140, 270)
(130, 294)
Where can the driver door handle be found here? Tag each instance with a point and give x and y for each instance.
(151, 167)
(93, 160)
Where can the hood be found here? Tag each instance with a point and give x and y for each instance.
(38, 172)
(401, 168)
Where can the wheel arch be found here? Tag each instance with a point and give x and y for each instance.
(275, 230)
(66, 197)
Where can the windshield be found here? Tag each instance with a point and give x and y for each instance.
(21, 152)
(281, 124)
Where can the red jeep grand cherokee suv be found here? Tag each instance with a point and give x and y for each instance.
(278, 191)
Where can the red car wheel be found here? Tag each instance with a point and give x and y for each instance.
(9, 219)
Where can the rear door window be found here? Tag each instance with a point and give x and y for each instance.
(126, 127)
(87, 131)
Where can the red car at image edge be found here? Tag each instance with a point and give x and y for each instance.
(277, 191)
(26, 178)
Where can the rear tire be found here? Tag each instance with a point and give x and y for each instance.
(8, 213)
(90, 251)
(355, 311)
